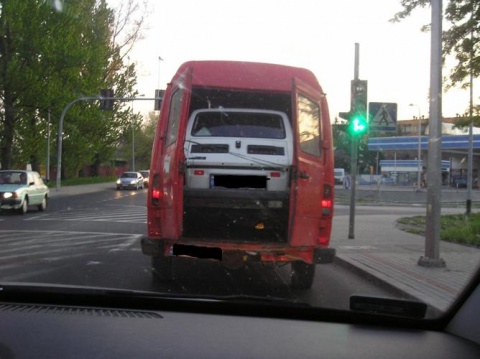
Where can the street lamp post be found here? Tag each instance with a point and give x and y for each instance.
(47, 173)
(470, 132)
(62, 117)
(419, 155)
(134, 122)
(133, 144)
(159, 61)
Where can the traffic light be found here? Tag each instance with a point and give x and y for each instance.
(357, 124)
(158, 99)
(358, 121)
(106, 104)
(358, 96)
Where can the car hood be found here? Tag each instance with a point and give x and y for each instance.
(11, 187)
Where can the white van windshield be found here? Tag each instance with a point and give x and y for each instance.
(238, 124)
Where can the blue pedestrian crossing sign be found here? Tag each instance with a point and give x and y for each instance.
(382, 116)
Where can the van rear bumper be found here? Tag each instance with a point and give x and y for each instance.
(227, 252)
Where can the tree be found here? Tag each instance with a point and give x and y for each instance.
(341, 144)
(52, 53)
(144, 136)
(460, 40)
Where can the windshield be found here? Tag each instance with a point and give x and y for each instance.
(129, 175)
(244, 201)
(13, 177)
(232, 124)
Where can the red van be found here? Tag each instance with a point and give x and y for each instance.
(242, 169)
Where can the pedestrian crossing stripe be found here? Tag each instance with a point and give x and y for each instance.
(135, 214)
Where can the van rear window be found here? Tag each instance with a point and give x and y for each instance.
(238, 124)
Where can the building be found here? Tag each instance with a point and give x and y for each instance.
(401, 152)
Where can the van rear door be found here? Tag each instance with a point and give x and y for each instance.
(307, 187)
(173, 157)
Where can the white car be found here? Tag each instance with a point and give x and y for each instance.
(130, 180)
(20, 189)
(339, 174)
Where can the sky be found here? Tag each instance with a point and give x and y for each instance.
(319, 35)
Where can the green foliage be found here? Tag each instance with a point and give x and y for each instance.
(52, 53)
(408, 6)
(342, 142)
(143, 137)
(461, 38)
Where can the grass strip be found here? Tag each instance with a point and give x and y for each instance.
(83, 180)
(455, 228)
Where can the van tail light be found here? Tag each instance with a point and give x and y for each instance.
(156, 193)
(156, 190)
(327, 214)
(327, 200)
(156, 196)
(275, 174)
(326, 205)
(198, 172)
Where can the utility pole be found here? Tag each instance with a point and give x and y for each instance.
(48, 147)
(470, 132)
(434, 172)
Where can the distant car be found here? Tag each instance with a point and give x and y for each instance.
(20, 189)
(339, 174)
(146, 176)
(460, 182)
(130, 180)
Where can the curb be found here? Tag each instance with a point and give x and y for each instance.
(373, 278)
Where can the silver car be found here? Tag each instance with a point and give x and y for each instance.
(130, 180)
(20, 189)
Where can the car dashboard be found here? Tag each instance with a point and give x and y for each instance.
(47, 327)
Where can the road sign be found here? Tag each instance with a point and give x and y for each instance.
(382, 116)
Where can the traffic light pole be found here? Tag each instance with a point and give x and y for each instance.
(353, 167)
(353, 154)
(60, 126)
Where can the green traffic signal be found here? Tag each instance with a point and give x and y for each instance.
(358, 125)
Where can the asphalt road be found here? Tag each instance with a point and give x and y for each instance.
(93, 239)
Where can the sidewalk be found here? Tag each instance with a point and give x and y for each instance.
(389, 255)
